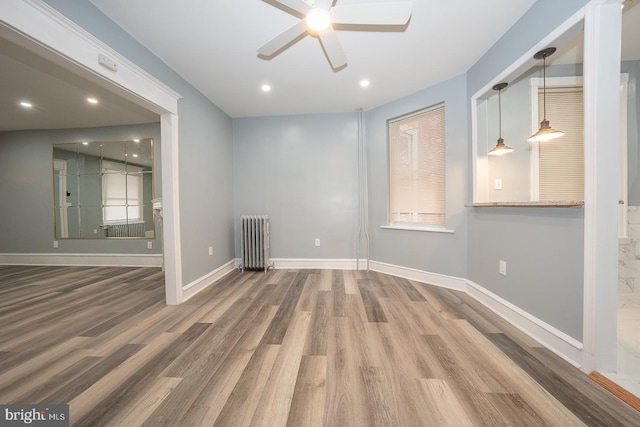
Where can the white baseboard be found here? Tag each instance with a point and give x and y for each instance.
(203, 282)
(441, 280)
(320, 264)
(97, 260)
(555, 340)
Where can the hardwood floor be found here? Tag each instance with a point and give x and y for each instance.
(284, 348)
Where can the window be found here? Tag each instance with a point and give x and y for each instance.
(561, 161)
(121, 192)
(558, 165)
(417, 168)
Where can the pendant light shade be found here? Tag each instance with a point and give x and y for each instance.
(546, 132)
(500, 147)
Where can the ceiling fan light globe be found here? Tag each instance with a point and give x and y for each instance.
(318, 19)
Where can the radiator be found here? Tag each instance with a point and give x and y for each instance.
(254, 242)
(132, 229)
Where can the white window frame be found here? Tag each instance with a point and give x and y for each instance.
(414, 226)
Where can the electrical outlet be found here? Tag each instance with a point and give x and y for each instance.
(497, 184)
(317, 242)
(503, 268)
(210, 250)
(149, 245)
(55, 243)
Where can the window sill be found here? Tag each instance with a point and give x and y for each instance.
(417, 228)
(543, 204)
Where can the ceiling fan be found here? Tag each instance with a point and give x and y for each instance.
(320, 16)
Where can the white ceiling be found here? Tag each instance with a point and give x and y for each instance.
(58, 97)
(212, 44)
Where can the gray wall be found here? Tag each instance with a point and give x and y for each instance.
(205, 149)
(441, 253)
(543, 248)
(26, 185)
(303, 172)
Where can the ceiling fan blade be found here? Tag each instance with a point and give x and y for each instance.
(333, 48)
(280, 41)
(297, 5)
(397, 13)
(325, 4)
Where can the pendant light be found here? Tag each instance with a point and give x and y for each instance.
(546, 132)
(500, 148)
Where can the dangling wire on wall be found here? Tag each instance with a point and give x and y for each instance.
(363, 194)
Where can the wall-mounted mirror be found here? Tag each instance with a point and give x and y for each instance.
(103, 189)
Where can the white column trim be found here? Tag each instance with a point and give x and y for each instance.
(171, 239)
(602, 37)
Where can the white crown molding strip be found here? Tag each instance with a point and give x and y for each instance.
(557, 341)
(208, 279)
(93, 260)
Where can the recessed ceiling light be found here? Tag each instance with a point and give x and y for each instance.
(364, 83)
(265, 88)
(85, 143)
(136, 140)
(26, 104)
(135, 155)
(92, 100)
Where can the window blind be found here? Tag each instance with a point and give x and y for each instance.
(417, 167)
(561, 170)
(121, 192)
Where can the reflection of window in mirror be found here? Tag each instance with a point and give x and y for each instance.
(121, 193)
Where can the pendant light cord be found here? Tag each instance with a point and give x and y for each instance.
(500, 112)
(544, 87)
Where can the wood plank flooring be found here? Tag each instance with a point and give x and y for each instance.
(283, 348)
